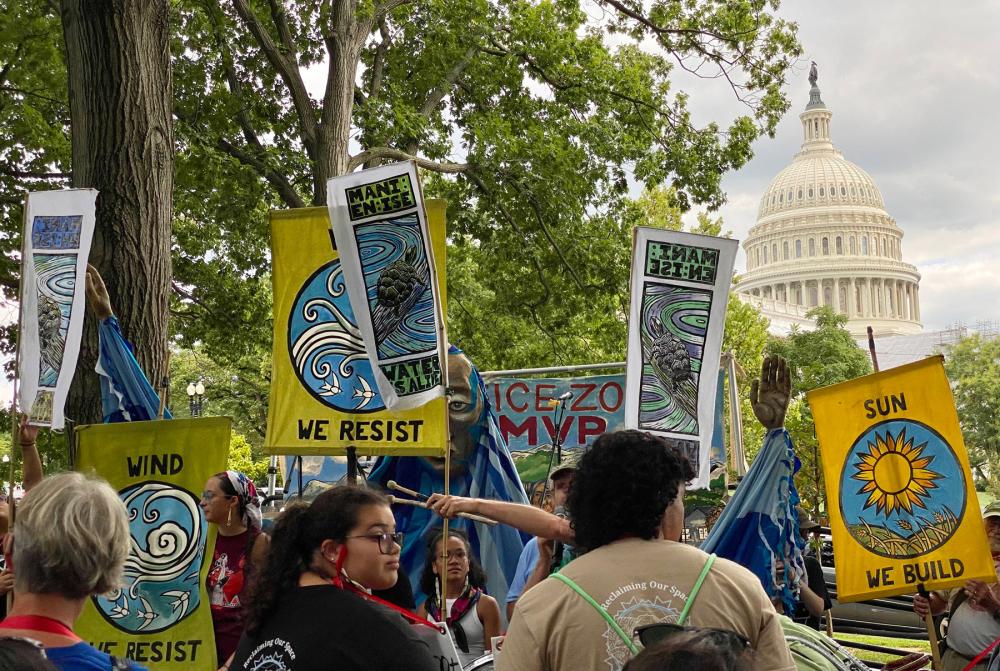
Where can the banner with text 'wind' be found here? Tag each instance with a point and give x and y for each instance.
(161, 616)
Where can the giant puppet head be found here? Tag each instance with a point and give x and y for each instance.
(465, 414)
(481, 466)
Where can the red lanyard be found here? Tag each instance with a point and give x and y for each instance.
(338, 581)
(402, 611)
(39, 623)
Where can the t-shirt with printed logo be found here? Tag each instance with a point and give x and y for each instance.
(637, 582)
(322, 627)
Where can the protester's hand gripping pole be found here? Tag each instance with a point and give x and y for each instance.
(931, 630)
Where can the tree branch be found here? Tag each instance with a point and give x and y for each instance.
(280, 183)
(438, 94)
(378, 63)
(28, 174)
(287, 70)
(185, 294)
(280, 17)
(548, 234)
(5, 71)
(31, 94)
(383, 8)
(388, 152)
(232, 79)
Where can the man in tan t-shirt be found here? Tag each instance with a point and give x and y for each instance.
(626, 500)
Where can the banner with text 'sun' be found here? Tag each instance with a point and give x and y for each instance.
(388, 263)
(903, 507)
(324, 397)
(161, 616)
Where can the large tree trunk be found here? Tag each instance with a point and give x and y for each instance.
(118, 56)
(334, 132)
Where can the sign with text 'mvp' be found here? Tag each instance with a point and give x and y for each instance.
(161, 616)
(903, 508)
(324, 397)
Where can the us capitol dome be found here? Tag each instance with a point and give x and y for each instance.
(823, 237)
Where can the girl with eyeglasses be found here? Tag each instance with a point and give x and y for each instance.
(473, 616)
(230, 502)
(311, 607)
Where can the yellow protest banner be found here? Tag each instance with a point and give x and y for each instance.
(324, 397)
(903, 508)
(161, 617)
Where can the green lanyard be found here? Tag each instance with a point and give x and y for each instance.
(633, 648)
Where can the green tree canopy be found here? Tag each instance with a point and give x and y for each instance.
(529, 118)
(973, 367)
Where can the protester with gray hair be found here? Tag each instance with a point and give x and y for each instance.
(71, 539)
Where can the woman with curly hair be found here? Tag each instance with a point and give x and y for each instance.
(473, 616)
(626, 508)
(230, 502)
(311, 607)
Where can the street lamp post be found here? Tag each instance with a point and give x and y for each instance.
(196, 397)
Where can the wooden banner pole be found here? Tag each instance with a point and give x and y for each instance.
(443, 556)
(871, 348)
(931, 630)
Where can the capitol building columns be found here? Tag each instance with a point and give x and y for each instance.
(823, 237)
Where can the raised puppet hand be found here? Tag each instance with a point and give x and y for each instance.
(770, 394)
(97, 294)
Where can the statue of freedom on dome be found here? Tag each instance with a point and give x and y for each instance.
(813, 74)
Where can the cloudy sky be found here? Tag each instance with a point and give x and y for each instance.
(913, 87)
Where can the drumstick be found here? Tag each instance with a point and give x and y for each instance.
(398, 487)
(422, 504)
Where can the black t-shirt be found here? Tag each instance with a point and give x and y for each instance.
(817, 583)
(324, 628)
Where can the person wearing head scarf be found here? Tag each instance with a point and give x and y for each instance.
(230, 502)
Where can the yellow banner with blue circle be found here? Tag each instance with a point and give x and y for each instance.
(160, 616)
(901, 499)
(324, 397)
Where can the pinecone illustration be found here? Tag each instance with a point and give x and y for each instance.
(399, 284)
(671, 362)
(50, 339)
(669, 356)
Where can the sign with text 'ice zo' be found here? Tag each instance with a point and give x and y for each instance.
(526, 409)
(324, 395)
(161, 616)
(388, 263)
(58, 228)
(680, 286)
(903, 508)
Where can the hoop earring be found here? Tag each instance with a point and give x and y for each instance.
(229, 518)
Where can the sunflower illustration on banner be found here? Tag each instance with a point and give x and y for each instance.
(903, 508)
